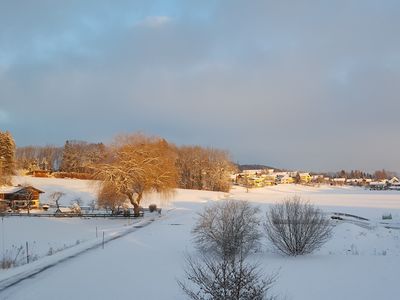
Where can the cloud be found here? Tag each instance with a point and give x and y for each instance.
(298, 86)
(155, 21)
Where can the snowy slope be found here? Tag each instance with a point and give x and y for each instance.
(357, 263)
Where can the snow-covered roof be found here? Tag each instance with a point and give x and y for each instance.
(14, 189)
(304, 174)
(10, 189)
(63, 210)
(377, 183)
(339, 179)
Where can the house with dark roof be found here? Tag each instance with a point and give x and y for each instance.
(20, 196)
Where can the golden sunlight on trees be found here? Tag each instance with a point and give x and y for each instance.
(109, 197)
(204, 168)
(137, 165)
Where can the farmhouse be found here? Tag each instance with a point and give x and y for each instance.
(20, 196)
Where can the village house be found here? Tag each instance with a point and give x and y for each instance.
(20, 196)
(377, 185)
(338, 181)
(394, 181)
(305, 177)
(284, 178)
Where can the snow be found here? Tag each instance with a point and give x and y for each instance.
(361, 261)
(73, 188)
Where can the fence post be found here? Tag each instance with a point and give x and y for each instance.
(96, 232)
(27, 253)
(2, 235)
(103, 240)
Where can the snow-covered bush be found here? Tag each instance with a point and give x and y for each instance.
(227, 228)
(295, 227)
(225, 278)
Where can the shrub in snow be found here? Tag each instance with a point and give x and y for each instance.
(225, 278)
(12, 257)
(51, 251)
(295, 227)
(225, 233)
(152, 207)
(387, 217)
(227, 228)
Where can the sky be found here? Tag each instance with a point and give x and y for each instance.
(310, 85)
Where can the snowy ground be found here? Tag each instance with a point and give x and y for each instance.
(359, 262)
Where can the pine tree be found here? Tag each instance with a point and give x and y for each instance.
(7, 157)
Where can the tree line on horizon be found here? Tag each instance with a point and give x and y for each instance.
(198, 167)
(130, 166)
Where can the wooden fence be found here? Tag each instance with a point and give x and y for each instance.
(70, 215)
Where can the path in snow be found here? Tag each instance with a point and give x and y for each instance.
(30, 270)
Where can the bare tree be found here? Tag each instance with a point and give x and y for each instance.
(109, 197)
(55, 198)
(92, 205)
(224, 279)
(28, 196)
(295, 227)
(138, 165)
(227, 228)
(204, 168)
(78, 201)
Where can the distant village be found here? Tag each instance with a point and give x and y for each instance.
(269, 177)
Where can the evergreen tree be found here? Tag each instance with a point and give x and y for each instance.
(7, 157)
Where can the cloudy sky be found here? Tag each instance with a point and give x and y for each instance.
(295, 84)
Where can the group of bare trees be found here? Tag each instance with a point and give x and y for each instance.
(204, 168)
(7, 157)
(79, 156)
(227, 232)
(39, 157)
(137, 164)
(132, 166)
(75, 156)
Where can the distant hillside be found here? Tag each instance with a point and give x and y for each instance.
(256, 167)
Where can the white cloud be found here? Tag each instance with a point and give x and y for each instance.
(155, 21)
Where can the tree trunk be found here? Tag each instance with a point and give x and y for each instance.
(135, 203)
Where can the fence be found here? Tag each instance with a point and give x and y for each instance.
(71, 215)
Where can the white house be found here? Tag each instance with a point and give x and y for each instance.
(394, 181)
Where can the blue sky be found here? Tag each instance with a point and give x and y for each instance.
(304, 84)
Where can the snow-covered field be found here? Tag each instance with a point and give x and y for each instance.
(359, 262)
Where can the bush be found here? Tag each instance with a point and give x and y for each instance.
(227, 278)
(152, 207)
(227, 228)
(295, 227)
(12, 257)
(225, 233)
(387, 217)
